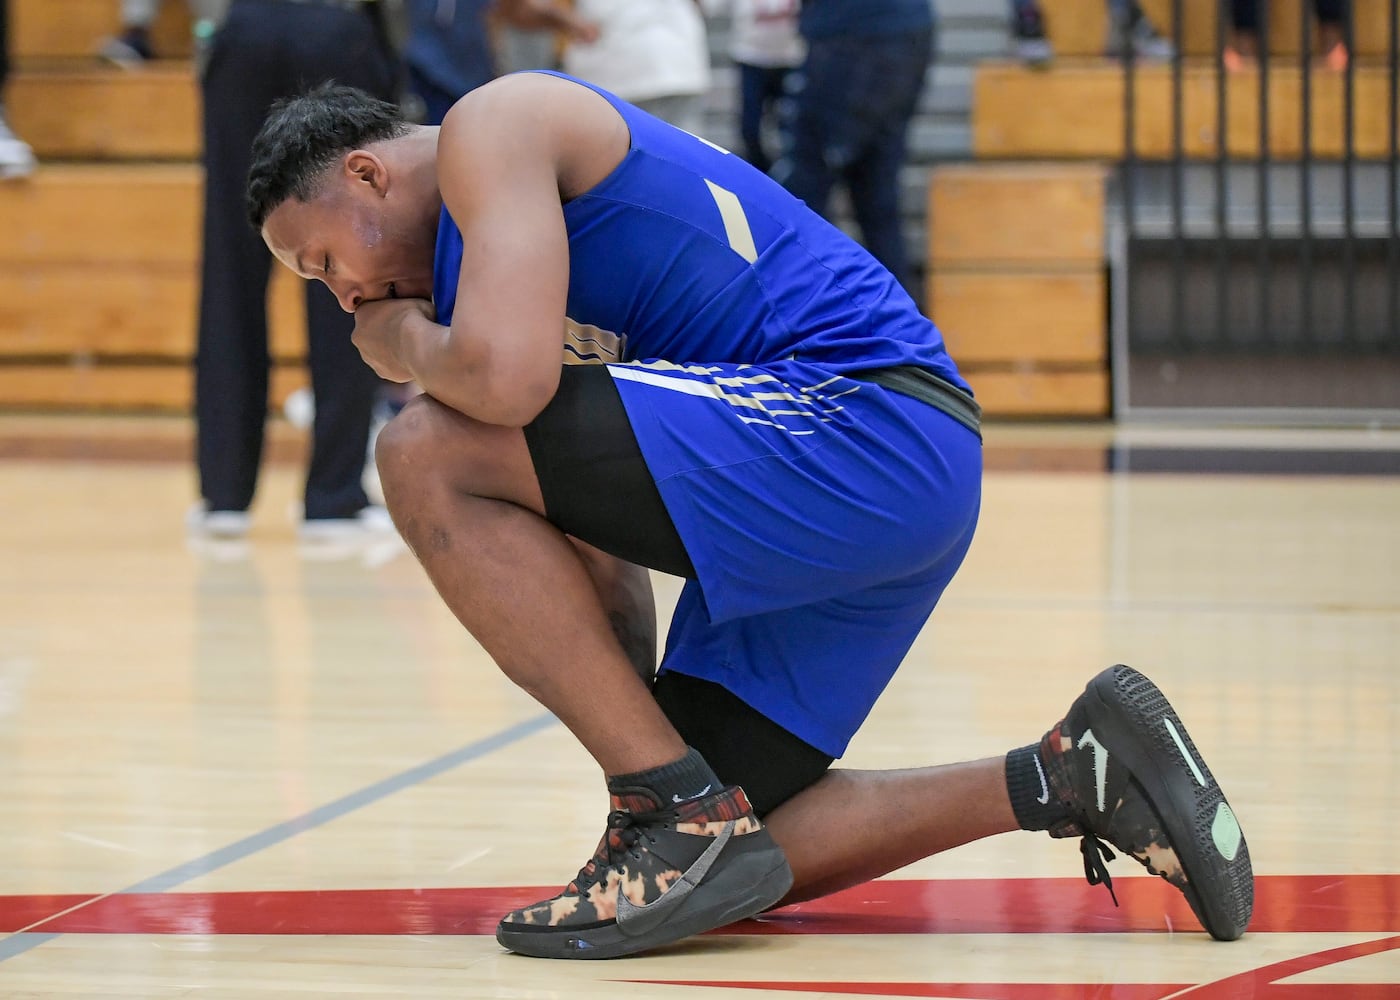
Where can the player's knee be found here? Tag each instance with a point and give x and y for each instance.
(404, 445)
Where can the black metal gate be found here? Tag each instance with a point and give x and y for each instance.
(1263, 283)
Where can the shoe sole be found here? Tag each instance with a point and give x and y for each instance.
(748, 885)
(1138, 725)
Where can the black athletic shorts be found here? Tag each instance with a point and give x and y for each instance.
(597, 488)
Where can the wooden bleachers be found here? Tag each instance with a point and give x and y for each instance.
(1016, 281)
(99, 268)
(1075, 111)
(1017, 259)
(107, 113)
(1077, 28)
(98, 285)
(72, 29)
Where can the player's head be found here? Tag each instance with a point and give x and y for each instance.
(341, 193)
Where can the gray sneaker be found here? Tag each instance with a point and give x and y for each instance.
(1138, 33)
(203, 522)
(129, 50)
(16, 158)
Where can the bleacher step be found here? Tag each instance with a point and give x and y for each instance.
(98, 113)
(1076, 111)
(98, 290)
(73, 29)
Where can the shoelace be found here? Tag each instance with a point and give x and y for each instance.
(628, 826)
(1095, 871)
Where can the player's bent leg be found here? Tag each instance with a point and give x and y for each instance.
(1123, 768)
(680, 856)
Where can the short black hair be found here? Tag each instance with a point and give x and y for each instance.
(304, 135)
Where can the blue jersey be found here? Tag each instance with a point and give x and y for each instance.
(687, 253)
(823, 515)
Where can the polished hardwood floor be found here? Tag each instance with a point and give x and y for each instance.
(268, 769)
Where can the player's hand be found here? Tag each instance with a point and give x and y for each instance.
(379, 333)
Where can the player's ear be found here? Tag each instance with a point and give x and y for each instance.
(364, 167)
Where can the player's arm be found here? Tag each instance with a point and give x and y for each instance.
(500, 156)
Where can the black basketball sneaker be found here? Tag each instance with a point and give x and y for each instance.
(1124, 767)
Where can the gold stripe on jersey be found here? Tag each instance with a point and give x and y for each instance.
(736, 223)
(799, 402)
(585, 344)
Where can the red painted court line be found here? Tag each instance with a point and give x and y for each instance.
(1283, 904)
(1256, 984)
(1263, 984)
(956, 991)
(17, 912)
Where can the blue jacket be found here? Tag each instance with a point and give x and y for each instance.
(863, 18)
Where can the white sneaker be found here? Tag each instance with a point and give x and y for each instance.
(16, 158)
(200, 520)
(371, 522)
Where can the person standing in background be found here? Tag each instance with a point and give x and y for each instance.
(855, 95)
(766, 48)
(651, 53)
(1243, 49)
(16, 158)
(265, 51)
(449, 49)
(1129, 29)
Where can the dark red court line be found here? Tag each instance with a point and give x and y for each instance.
(1256, 984)
(956, 991)
(1283, 904)
(1263, 984)
(21, 911)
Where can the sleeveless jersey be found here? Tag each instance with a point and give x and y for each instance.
(686, 253)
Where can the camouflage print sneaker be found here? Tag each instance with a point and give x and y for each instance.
(661, 873)
(1122, 764)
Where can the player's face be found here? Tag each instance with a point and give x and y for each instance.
(361, 245)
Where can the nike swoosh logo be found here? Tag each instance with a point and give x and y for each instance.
(704, 791)
(635, 920)
(1100, 765)
(1044, 798)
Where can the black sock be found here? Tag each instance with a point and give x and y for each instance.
(1029, 788)
(670, 784)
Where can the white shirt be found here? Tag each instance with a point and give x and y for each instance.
(645, 48)
(764, 33)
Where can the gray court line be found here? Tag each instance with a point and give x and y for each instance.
(18, 944)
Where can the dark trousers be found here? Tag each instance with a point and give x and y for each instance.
(760, 88)
(4, 47)
(1244, 14)
(266, 50)
(436, 101)
(850, 119)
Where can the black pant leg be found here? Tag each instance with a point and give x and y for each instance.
(1244, 15)
(4, 47)
(231, 363)
(1331, 11)
(344, 387)
(267, 51)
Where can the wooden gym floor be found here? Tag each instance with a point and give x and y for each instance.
(263, 770)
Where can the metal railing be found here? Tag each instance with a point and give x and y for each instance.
(1261, 282)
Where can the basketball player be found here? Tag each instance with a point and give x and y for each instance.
(749, 401)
